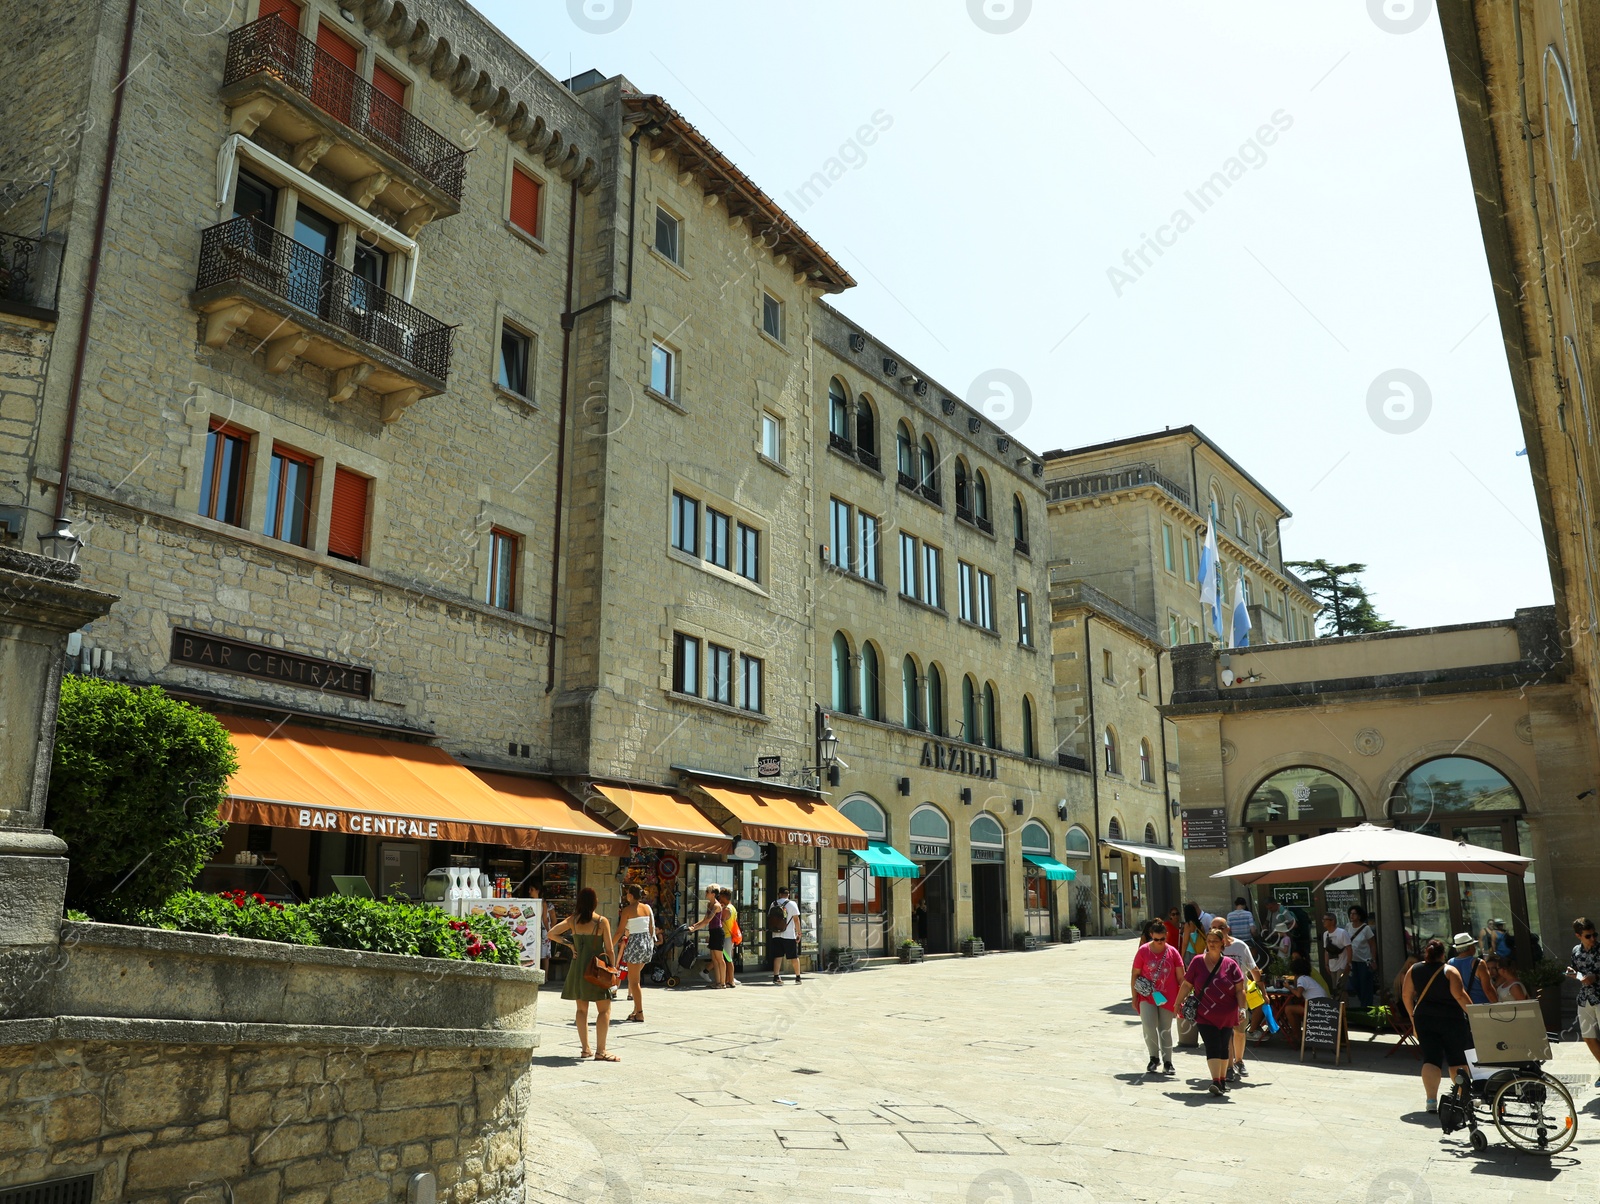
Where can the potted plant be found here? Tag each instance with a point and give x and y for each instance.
(845, 959)
(1545, 980)
(1025, 941)
(911, 952)
(972, 947)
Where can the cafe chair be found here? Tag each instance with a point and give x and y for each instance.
(1402, 1027)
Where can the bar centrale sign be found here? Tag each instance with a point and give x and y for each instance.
(367, 824)
(959, 758)
(205, 651)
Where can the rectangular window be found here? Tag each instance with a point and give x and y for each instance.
(964, 598)
(663, 374)
(289, 497)
(514, 349)
(685, 523)
(389, 103)
(1188, 558)
(867, 529)
(1172, 630)
(1144, 690)
(667, 240)
(772, 316)
(718, 526)
(932, 577)
(986, 600)
(1166, 547)
(685, 664)
(908, 565)
(719, 673)
(771, 438)
(502, 590)
(750, 683)
(839, 534)
(1105, 659)
(347, 523)
(1024, 619)
(525, 192)
(749, 566)
(222, 482)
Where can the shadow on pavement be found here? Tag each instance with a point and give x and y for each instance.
(1197, 1097)
(1512, 1164)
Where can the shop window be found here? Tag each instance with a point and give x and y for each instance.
(222, 477)
(1077, 842)
(503, 556)
(866, 815)
(986, 832)
(289, 496)
(929, 823)
(685, 664)
(1452, 786)
(1299, 794)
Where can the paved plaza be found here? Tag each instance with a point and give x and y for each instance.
(1013, 1077)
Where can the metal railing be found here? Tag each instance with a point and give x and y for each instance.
(931, 492)
(1113, 482)
(26, 275)
(273, 46)
(907, 481)
(984, 523)
(246, 249)
(1021, 545)
(964, 512)
(841, 443)
(869, 458)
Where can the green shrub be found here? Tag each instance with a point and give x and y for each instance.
(235, 913)
(135, 785)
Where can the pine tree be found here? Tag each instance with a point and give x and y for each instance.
(1347, 608)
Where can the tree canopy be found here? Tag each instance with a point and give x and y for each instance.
(1347, 607)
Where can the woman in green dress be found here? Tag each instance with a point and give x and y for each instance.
(588, 934)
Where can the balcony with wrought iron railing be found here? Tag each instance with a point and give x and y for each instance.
(30, 274)
(869, 458)
(1116, 481)
(841, 443)
(305, 306)
(283, 83)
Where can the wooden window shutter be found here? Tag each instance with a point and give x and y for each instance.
(389, 84)
(336, 47)
(347, 524)
(524, 201)
(286, 9)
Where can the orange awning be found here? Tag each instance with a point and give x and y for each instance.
(664, 820)
(563, 826)
(783, 819)
(309, 778)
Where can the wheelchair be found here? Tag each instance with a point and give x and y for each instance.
(1508, 1086)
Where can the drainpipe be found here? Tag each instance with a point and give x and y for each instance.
(1166, 787)
(1094, 762)
(92, 288)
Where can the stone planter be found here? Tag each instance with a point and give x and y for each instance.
(1027, 942)
(1070, 933)
(845, 960)
(911, 954)
(972, 947)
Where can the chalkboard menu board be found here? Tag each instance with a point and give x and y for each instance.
(1205, 828)
(1324, 1027)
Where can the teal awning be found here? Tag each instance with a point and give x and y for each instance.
(1052, 868)
(885, 861)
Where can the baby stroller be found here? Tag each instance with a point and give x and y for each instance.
(1532, 1110)
(662, 969)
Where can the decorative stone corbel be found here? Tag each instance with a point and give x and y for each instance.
(709, 200)
(306, 155)
(800, 277)
(463, 80)
(553, 148)
(781, 261)
(244, 119)
(416, 217)
(221, 323)
(378, 12)
(568, 167)
(420, 44)
(283, 352)
(519, 123)
(589, 177)
(396, 403)
(657, 153)
(347, 380)
(538, 137)
(364, 192)
(685, 178)
(442, 65)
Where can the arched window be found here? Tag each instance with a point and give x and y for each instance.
(1114, 829)
(1027, 727)
(1035, 837)
(963, 490)
(991, 722)
(1300, 794)
(838, 412)
(1149, 834)
(1216, 507)
(1110, 743)
(1019, 519)
(935, 709)
(930, 464)
(871, 690)
(980, 495)
(1449, 786)
(1261, 537)
(866, 428)
(969, 711)
(1238, 521)
(928, 823)
(1077, 842)
(841, 673)
(908, 694)
(866, 815)
(986, 832)
(905, 453)
(1147, 771)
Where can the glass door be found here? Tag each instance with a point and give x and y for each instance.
(863, 909)
(310, 275)
(806, 890)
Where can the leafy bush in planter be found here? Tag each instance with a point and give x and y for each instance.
(135, 783)
(234, 913)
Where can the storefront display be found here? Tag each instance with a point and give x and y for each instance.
(524, 916)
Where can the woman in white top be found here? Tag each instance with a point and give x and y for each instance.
(1305, 987)
(1363, 958)
(637, 922)
(1508, 987)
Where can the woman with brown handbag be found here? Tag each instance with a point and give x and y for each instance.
(592, 973)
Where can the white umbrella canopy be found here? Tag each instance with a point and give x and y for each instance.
(1367, 847)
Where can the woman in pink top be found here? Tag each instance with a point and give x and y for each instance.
(1219, 983)
(1157, 974)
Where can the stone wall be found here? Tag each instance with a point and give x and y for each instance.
(24, 355)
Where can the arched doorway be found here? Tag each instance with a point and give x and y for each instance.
(933, 897)
(1295, 804)
(988, 840)
(1038, 891)
(1462, 798)
(863, 897)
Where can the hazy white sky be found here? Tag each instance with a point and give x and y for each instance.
(997, 223)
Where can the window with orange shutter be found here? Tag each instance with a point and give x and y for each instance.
(389, 103)
(334, 79)
(288, 10)
(347, 524)
(525, 201)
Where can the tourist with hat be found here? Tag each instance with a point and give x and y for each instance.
(1467, 963)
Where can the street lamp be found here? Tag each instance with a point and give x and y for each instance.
(61, 543)
(827, 748)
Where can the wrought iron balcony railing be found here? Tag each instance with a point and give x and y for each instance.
(28, 273)
(250, 251)
(1113, 482)
(271, 45)
(1021, 545)
(984, 523)
(869, 458)
(931, 492)
(907, 481)
(841, 443)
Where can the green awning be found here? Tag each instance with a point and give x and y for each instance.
(1052, 868)
(885, 861)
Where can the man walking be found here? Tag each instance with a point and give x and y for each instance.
(783, 928)
(1241, 920)
(1585, 968)
(1335, 955)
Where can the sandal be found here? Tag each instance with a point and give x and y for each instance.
(637, 1017)
(606, 1057)
(585, 1054)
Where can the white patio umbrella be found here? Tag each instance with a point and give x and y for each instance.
(1367, 847)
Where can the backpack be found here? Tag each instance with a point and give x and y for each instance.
(777, 919)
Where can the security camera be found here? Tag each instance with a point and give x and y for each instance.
(841, 762)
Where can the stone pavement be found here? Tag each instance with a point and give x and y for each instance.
(1012, 1077)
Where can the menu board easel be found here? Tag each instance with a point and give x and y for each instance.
(1324, 1029)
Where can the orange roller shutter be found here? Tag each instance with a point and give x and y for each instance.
(347, 524)
(391, 86)
(524, 201)
(336, 47)
(286, 9)
(386, 117)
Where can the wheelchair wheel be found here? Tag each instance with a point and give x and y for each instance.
(672, 980)
(1480, 1140)
(1534, 1112)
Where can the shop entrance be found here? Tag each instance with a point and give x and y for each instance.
(989, 882)
(933, 896)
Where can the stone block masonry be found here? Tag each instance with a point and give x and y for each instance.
(305, 1124)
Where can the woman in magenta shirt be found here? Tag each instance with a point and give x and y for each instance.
(1157, 974)
(1219, 984)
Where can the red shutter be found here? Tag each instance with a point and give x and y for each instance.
(390, 85)
(332, 44)
(334, 79)
(347, 525)
(286, 9)
(524, 201)
(389, 105)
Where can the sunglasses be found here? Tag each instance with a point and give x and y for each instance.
(1158, 936)
(1588, 936)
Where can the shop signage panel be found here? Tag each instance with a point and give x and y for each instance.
(959, 758)
(929, 850)
(988, 854)
(273, 814)
(769, 767)
(201, 650)
(1205, 828)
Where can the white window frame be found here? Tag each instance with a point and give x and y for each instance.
(672, 370)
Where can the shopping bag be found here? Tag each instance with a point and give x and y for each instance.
(1252, 995)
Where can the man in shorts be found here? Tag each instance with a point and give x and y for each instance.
(783, 927)
(1585, 968)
